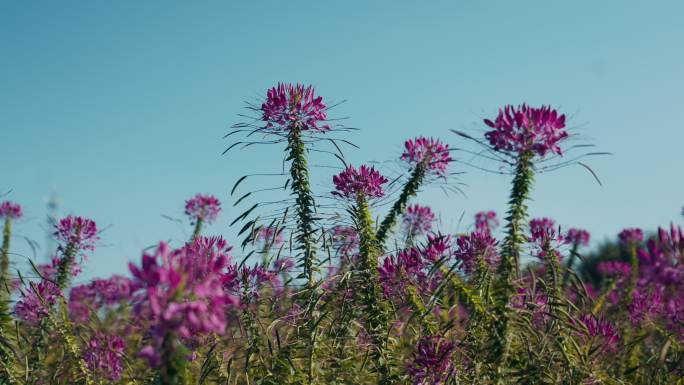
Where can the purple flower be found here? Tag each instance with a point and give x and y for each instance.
(288, 105)
(205, 208)
(78, 231)
(183, 291)
(543, 230)
(104, 356)
(366, 180)
(476, 246)
(438, 246)
(10, 210)
(431, 363)
(644, 304)
(631, 236)
(523, 128)
(87, 299)
(599, 328)
(486, 221)
(429, 150)
(418, 220)
(579, 237)
(616, 269)
(37, 301)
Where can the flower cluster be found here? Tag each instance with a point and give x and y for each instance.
(579, 237)
(183, 291)
(431, 363)
(77, 231)
(366, 180)
(270, 237)
(89, 298)
(418, 220)
(599, 329)
(104, 356)
(474, 248)
(543, 230)
(10, 210)
(204, 208)
(486, 221)
(524, 129)
(288, 105)
(430, 151)
(345, 240)
(36, 301)
(631, 236)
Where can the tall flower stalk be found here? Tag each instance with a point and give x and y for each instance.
(522, 133)
(76, 234)
(8, 211)
(202, 209)
(358, 186)
(425, 155)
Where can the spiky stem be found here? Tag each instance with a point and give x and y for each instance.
(371, 295)
(305, 204)
(410, 189)
(510, 256)
(65, 265)
(5, 279)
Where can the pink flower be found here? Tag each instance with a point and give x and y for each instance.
(78, 231)
(486, 221)
(600, 329)
(431, 363)
(37, 301)
(288, 105)
(104, 356)
(87, 299)
(476, 246)
(438, 246)
(617, 269)
(579, 237)
(523, 128)
(418, 220)
(183, 291)
(543, 230)
(429, 150)
(366, 180)
(631, 236)
(10, 210)
(205, 208)
(270, 237)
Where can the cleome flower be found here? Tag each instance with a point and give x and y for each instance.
(10, 210)
(78, 231)
(366, 180)
(288, 105)
(429, 150)
(418, 220)
(522, 129)
(205, 208)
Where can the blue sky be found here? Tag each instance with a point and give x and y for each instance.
(119, 107)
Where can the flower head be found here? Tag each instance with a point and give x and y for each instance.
(631, 236)
(78, 231)
(486, 221)
(543, 230)
(345, 240)
(579, 237)
(523, 128)
(205, 208)
(418, 220)
(37, 301)
(366, 180)
(431, 363)
(10, 210)
(87, 299)
(599, 328)
(270, 237)
(616, 269)
(474, 247)
(104, 356)
(288, 105)
(429, 150)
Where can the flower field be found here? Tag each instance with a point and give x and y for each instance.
(356, 283)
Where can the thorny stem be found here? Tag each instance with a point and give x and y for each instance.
(371, 295)
(410, 189)
(510, 257)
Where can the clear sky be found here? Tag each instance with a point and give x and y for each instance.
(119, 107)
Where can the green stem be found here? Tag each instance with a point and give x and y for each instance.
(65, 265)
(509, 268)
(410, 189)
(198, 229)
(570, 263)
(5, 279)
(634, 273)
(371, 294)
